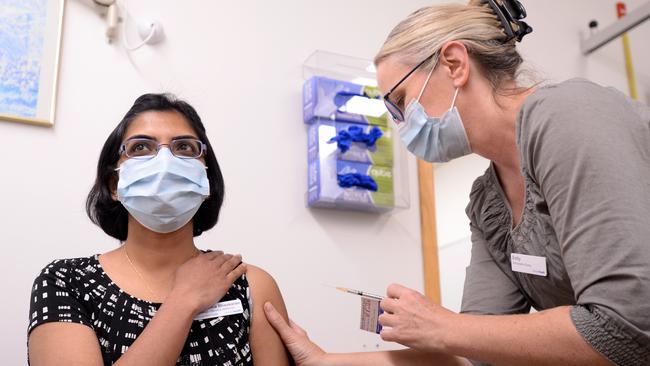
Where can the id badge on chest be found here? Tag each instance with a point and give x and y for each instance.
(220, 309)
(530, 264)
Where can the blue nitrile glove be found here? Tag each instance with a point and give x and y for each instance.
(372, 137)
(355, 134)
(357, 180)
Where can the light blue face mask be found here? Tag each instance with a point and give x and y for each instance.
(434, 139)
(164, 192)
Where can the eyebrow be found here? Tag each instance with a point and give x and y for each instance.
(155, 139)
(184, 137)
(141, 137)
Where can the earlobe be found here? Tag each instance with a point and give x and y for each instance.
(454, 57)
(113, 188)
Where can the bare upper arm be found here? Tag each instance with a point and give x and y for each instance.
(266, 345)
(69, 344)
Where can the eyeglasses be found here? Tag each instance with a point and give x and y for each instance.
(143, 148)
(395, 112)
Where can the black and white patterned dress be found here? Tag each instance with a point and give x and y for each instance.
(79, 291)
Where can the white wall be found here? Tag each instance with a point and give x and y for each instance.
(240, 64)
(553, 51)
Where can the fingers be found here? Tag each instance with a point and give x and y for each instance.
(389, 305)
(387, 320)
(296, 328)
(225, 262)
(396, 291)
(278, 323)
(212, 255)
(227, 265)
(220, 260)
(231, 263)
(237, 272)
(388, 335)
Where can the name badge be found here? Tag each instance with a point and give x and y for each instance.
(220, 309)
(528, 264)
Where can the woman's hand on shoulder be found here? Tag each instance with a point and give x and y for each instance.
(203, 280)
(266, 345)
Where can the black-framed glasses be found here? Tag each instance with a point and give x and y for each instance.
(395, 112)
(144, 148)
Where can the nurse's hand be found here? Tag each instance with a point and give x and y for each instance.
(303, 351)
(413, 320)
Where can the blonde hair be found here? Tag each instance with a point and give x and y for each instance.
(424, 32)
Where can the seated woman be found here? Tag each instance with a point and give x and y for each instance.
(157, 299)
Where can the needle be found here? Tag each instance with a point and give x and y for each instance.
(360, 293)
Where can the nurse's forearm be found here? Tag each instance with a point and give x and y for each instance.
(406, 357)
(545, 338)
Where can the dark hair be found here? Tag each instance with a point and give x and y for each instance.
(108, 213)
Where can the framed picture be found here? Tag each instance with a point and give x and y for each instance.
(30, 39)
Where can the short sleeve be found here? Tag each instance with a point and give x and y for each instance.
(56, 298)
(488, 290)
(588, 149)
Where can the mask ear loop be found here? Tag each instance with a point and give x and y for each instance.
(427, 81)
(453, 101)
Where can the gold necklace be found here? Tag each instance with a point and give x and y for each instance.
(135, 269)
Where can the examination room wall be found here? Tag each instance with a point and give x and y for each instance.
(553, 53)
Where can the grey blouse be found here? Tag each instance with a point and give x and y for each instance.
(585, 157)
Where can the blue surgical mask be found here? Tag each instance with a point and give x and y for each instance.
(434, 139)
(164, 192)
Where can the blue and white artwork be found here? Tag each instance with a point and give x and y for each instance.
(22, 35)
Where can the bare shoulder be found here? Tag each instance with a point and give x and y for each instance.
(258, 277)
(262, 284)
(264, 289)
(265, 343)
